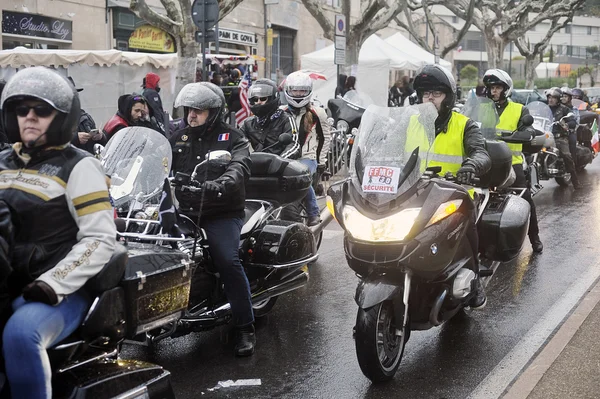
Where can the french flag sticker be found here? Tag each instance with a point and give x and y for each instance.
(224, 137)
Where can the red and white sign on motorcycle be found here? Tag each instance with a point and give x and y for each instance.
(381, 179)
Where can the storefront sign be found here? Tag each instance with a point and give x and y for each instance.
(16, 23)
(149, 38)
(237, 36)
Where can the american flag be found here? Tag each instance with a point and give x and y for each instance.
(244, 112)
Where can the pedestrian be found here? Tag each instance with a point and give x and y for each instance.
(395, 95)
(341, 84)
(217, 79)
(130, 112)
(63, 232)
(350, 84)
(151, 88)
(87, 133)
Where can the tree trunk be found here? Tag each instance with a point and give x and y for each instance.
(495, 46)
(353, 45)
(530, 64)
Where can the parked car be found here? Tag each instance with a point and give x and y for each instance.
(526, 96)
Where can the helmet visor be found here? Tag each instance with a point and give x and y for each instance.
(258, 90)
(298, 91)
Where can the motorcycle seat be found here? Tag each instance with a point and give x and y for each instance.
(253, 211)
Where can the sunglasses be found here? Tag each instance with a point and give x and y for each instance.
(254, 100)
(41, 110)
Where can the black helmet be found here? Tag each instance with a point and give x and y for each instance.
(41, 83)
(577, 94)
(201, 97)
(436, 77)
(263, 88)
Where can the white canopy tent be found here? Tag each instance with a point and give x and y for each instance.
(375, 60)
(418, 54)
(546, 69)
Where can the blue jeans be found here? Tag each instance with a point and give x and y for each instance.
(310, 201)
(224, 241)
(33, 328)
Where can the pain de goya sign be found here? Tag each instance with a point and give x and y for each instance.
(17, 23)
(149, 38)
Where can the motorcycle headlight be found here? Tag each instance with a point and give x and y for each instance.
(392, 228)
(444, 210)
(343, 126)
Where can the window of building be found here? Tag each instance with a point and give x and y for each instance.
(126, 19)
(569, 50)
(559, 49)
(568, 29)
(282, 56)
(474, 45)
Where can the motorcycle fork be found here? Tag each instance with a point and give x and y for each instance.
(401, 312)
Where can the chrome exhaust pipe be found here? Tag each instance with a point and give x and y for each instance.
(210, 318)
(326, 218)
(437, 306)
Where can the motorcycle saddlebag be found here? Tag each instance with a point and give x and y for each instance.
(157, 287)
(501, 164)
(281, 243)
(276, 179)
(503, 227)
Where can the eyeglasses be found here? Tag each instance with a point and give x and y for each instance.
(40, 110)
(254, 100)
(434, 93)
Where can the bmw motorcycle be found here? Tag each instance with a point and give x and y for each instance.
(274, 253)
(405, 232)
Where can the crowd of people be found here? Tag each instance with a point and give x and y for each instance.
(56, 235)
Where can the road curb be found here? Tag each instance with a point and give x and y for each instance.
(531, 376)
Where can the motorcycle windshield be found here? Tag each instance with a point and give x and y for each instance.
(542, 116)
(358, 98)
(390, 152)
(482, 110)
(138, 160)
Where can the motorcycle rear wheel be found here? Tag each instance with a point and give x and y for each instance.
(379, 343)
(263, 308)
(564, 180)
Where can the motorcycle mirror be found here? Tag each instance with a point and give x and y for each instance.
(527, 120)
(569, 115)
(285, 138)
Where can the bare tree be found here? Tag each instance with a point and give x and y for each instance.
(409, 24)
(375, 15)
(178, 23)
(531, 52)
(503, 21)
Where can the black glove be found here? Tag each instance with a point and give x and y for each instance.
(38, 291)
(465, 174)
(212, 189)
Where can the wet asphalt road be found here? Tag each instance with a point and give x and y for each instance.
(305, 347)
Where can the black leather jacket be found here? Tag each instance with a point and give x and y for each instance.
(474, 145)
(559, 111)
(262, 135)
(190, 146)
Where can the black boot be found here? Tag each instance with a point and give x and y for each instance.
(536, 243)
(245, 340)
(479, 300)
(313, 220)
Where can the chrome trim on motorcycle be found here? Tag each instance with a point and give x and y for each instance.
(299, 263)
(437, 306)
(90, 360)
(407, 282)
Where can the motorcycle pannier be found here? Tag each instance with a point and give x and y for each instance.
(503, 227)
(277, 179)
(281, 243)
(157, 287)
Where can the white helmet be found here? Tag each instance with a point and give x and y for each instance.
(498, 77)
(298, 89)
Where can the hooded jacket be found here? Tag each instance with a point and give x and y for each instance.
(121, 119)
(154, 101)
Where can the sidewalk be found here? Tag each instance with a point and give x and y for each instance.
(568, 366)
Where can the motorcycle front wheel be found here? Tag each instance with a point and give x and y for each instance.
(379, 341)
(564, 180)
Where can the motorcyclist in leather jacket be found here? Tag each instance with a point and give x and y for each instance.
(561, 132)
(269, 121)
(566, 98)
(435, 84)
(499, 87)
(220, 206)
(63, 230)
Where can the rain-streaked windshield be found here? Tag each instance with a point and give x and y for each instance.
(358, 98)
(382, 165)
(138, 160)
(542, 116)
(482, 110)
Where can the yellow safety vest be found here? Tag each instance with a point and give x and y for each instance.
(509, 120)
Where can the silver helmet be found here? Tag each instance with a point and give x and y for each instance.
(201, 97)
(217, 90)
(46, 85)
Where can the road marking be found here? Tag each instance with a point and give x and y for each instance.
(529, 379)
(500, 378)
